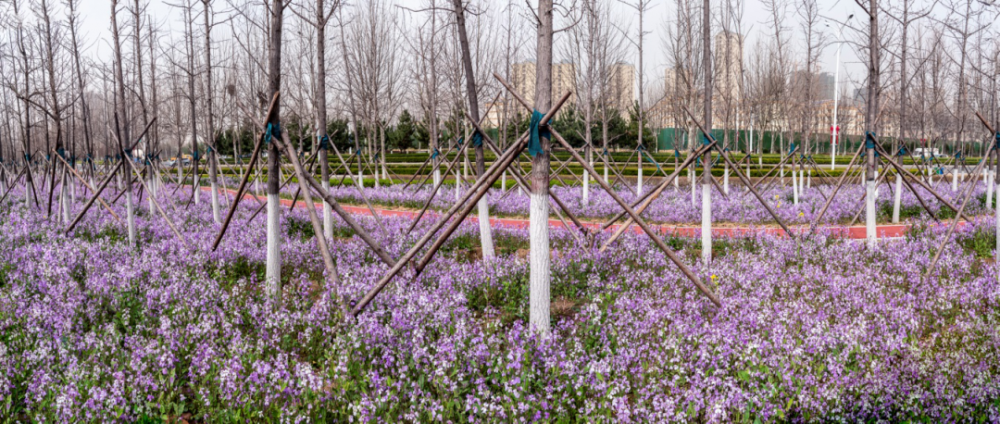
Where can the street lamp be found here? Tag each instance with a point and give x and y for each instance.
(834, 129)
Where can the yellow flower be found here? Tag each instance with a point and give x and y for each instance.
(779, 204)
(801, 214)
(715, 279)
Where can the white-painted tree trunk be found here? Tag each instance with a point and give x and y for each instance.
(273, 265)
(152, 192)
(585, 195)
(327, 210)
(795, 186)
(539, 262)
(64, 199)
(256, 184)
(130, 217)
(897, 195)
(725, 178)
(706, 224)
(485, 232)
(989, 189)
(694, 192)
(638, 181)
(809, 179)
(503, 182)
(954, 179)
(870, 229)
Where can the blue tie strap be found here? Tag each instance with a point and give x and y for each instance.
(870, 140)
(535, 141)
(324, 142)
(477, 139)
(435, 154)
(273, 130)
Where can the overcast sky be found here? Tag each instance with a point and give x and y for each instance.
(96, 24)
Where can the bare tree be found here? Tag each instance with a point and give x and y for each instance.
(641, 7)
(273, 267)
(485, 233)
(122, 132)
(706, 160)
(539, 198)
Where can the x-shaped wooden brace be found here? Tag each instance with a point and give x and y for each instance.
(631, 212)
(460, 209)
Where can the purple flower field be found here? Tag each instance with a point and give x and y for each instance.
(676, 207)
(820, 330)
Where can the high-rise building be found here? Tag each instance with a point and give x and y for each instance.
(826, 86)
(563, 80)
(622, 88)
(524, 80)
(728, 66)
(621, 82)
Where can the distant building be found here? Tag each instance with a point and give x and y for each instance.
(621, 80)
(622, 88)
(563, 80)
(728, 67)
(826, 86)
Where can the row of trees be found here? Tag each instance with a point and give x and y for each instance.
(941, 63)
(408, 133)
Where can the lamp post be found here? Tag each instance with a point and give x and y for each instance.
(834, 130)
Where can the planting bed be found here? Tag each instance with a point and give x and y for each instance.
(820, 329)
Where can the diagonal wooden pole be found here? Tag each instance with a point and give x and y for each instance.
(933, 192)
(677, 170)
(159, 209)
(951, 229)
(434, 191)
(87, 185)
(739, 174)
(642, 223)
(488, 178)
(324, 248)
(107, 180)
(653, 196)
(519, 179)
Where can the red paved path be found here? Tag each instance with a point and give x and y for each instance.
(855, 232)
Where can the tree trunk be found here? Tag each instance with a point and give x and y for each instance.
(273, 270)
(213, 167)
(870, 116)
(322, 138)
(485, 233)
(122, 131)
(539, 199)
(706, 160)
